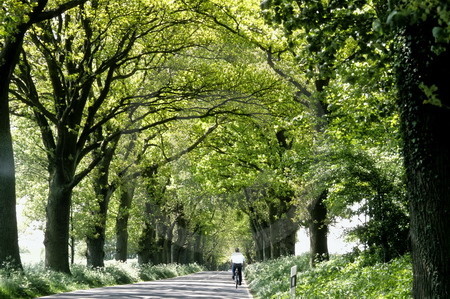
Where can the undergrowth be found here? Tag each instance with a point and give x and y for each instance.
(36, 281)
(341, 277)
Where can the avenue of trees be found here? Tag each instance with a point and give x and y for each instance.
(176, 130)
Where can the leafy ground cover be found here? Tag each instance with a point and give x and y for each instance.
(341, 277)
(36, 281)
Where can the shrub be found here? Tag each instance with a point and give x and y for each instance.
(93, 277)
(121, 274)
(273, 277)
(36, 281)
(340, 277)
(153, 272)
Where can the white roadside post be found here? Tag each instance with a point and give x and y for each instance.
(293, 280)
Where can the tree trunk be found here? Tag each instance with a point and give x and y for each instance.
(168, 243)
(318, 229)
(126, 198)
(61, 182)
(283, 228)
(261, 238)
(425, 128)
(197, 249)
(180, 252)
(274, 241)
(103, 192)
(57, 227)
(146, 244)
(96, 240)
(9, 244)
(288, 230)
(95, 254)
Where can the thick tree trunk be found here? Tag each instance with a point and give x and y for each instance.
(318, 229)
(147, 244)
(103, 192)
(61, 182)
(283, 228)
(96, 240)
(57, 227)
(126, 198)
(288, 231)
(9, 244)
(154, 246)
(161, 252)
(198, 249)
(180, 252)
(288, 243)
(425, 128)
(61, 168)
(95, 254)
(148, 241)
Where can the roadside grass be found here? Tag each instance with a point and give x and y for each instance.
(341, 277)
(36, 281)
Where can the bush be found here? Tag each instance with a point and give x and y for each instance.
(341, 277)
(121, 274)
(93, 277)
(36, 281)
(33, 281)
(154, 272)
(273, 277)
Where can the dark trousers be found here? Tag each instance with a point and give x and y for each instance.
(239, 267)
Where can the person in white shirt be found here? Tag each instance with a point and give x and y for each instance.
(237, 261)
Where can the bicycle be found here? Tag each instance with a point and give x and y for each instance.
(236, 277)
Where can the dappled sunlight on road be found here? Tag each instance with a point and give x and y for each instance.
(208, 284)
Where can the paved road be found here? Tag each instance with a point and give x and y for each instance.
(199, 285)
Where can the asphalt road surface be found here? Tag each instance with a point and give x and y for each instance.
(211, 284)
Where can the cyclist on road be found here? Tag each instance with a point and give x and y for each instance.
(237, 261)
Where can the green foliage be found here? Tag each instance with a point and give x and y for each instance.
(37, 281)
(341, 277)
(411, 12)
(212, 56)
(13, 14)
(154, 272)
(272, 277)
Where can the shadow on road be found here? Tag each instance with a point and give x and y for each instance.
(211, 284)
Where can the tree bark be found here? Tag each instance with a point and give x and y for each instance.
(126, 198)
(318, 230)
(180, 252)
(425, 128)
(260, 236)
(9, 244)
(168, 242)
(95, 254)
(289, 230)
(197, 249)
(103, 192)
(146, 244)
(56, 239)
(62, 160)
(61, 183)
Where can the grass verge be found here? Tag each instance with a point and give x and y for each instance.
(341, 277)
(36, 281)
